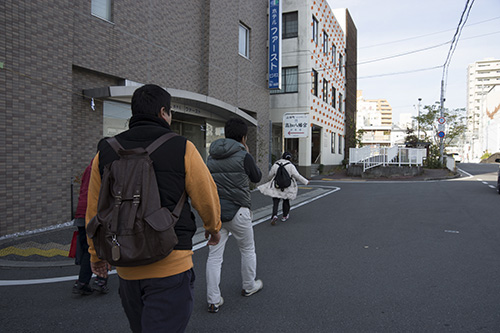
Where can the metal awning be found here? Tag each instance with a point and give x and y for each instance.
(206, 103)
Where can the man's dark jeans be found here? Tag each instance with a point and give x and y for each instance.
(159, 305)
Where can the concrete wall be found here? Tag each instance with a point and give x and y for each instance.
(384, 172)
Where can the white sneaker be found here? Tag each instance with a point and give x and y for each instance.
(258, 286)
(214, 308)
(284, 218)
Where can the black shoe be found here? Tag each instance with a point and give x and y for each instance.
(82, 288)
(274, 219)
(214, 308)
(101, 285)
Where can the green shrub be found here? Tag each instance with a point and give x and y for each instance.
(432, 161)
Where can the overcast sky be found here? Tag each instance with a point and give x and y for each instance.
(391, 27)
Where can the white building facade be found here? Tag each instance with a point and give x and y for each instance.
(371, 118)
(490, 126)
(313, 83)
(483, 79)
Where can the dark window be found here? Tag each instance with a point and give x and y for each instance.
(334, 97)
(340, 62)
(333, 143)
(334, 55)
(340, 103)
(325, 43)
(315, 30)
(290, 25)
(325, 91)
(314, 82)
(289, 81)
(340, 144)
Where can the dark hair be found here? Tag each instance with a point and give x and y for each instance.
(149, 99)
(235, 129)
(286, 156)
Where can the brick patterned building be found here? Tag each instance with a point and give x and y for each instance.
(67, 72)
(318, 82)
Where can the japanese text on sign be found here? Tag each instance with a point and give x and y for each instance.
(296, 125)
(274, 44)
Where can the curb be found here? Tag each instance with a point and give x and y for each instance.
(259, 215)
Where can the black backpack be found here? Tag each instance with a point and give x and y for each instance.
(131, 228)
(282, 179)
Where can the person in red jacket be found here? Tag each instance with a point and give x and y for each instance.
(82, 285)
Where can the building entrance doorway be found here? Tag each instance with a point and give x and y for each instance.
(315, 144)
(292, 146)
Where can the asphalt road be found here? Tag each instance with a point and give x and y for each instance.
(371, 257)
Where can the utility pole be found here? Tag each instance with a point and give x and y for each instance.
(441, 113)
(418, 122)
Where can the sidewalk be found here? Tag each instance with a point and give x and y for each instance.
(50, 248)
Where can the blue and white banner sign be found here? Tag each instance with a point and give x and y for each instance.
(275, 44)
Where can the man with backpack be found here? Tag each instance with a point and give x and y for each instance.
(282, 185)
(156, 291)
(233, 168)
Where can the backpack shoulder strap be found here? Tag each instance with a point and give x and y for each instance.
(114, 144)
(178, 208)
(158, 142)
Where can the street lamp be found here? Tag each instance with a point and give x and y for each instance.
(418, 120)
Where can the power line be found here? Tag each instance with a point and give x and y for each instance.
(426, 35)
(403, 54)
(398, 73)
(456, 37)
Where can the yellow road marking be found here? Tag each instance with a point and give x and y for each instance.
(32, 251)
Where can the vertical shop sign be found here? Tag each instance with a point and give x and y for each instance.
(275, 44)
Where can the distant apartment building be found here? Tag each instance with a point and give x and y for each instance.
(406, 121)
(482, 78)
(318, 60)
(399, 130)
(374, 118)
(68, 71)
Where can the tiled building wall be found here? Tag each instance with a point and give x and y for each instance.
(159, 42)
(86, 123)
(51, 53)
(235, 79)
(35, 94)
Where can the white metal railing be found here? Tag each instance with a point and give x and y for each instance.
(374, 156)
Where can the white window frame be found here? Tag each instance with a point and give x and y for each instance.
(244, 40)
(315, 30)
(102, 9)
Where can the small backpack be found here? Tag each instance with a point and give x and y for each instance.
(282, 179)
(131, 228)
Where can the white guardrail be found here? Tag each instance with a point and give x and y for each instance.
(371, 157)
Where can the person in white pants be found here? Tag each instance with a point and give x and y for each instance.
(241, 229)
(232, 169)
